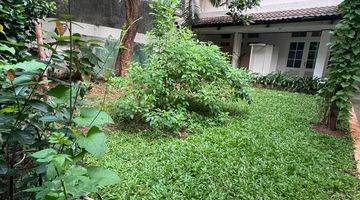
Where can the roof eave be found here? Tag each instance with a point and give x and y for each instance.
(259, 22)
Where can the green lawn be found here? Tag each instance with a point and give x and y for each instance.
(270, 154)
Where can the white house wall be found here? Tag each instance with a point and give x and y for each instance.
(282, 43)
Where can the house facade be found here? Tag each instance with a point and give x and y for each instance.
(290, 36)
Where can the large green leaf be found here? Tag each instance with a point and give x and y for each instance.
(22, 137)
(59, 91)
(45, 155)
(40, 105)
(6, 48)
(28, 66)
(94, 142)
(103, 177)
(3, 167)
(23, 80)
(93, 116)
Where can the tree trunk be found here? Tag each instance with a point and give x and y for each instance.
(125, 54)
(333, 118)
(41, 54)
(40, 41)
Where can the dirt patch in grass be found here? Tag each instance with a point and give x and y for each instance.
(98, 90)
(323, 129)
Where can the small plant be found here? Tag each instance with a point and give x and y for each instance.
(183, 77)
(280, 81)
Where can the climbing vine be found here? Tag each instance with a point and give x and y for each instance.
(344, 73)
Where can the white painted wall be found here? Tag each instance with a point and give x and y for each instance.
(281, 43)
(90, 30)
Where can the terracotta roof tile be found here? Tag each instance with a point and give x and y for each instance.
(297, 14)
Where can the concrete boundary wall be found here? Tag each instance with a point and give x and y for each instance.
(90, 30)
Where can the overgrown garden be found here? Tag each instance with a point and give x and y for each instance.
(182, 124)
(45, 131)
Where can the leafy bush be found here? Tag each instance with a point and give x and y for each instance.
(183, 78)
(45, 132)
(289, 82)
(86, 65)
(17, 27)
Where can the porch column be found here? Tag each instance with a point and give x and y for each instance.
(236, 49)
(323, 52)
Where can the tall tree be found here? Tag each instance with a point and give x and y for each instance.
(132, 8)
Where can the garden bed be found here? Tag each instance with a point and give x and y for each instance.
(270, 153)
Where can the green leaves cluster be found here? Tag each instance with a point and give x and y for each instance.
(86, 65)
(33, 119)
(288, 82)
(182, 78)
(164, 15)
(237, 8)
(45, 130)
(17, 19)
(344, 75)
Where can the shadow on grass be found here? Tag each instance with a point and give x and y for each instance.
(138, 128)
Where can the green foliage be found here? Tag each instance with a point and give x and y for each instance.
(46, 132)
(288, 82)
(29, 123)
(85, 63)
(237, 8)
(183, 77)
(17, 18)
(344, 70)
(164, 15)
(272, 153)
(108, 53)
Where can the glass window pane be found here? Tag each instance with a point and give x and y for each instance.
(311, 55)
(316, 34)
(300, 46)
(290, 63)
(299, 54)
(298, 34)
(293, 46)
(310, 64)
(297, 63)
(291, 54)
(303, 34)
(314, 45)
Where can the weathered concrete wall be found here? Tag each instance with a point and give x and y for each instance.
(109, 13)
(356, 104)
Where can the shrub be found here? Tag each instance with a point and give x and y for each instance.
(280, 81)
(183, 78)
(45, 133)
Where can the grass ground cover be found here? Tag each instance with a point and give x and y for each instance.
(270, 153)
